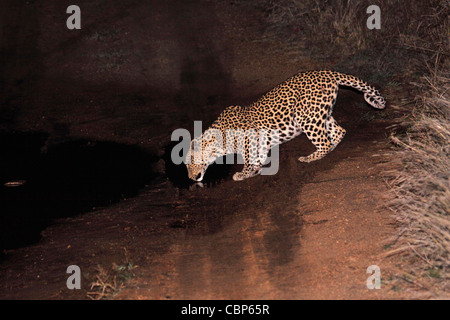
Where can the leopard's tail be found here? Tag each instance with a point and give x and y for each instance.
(371, 95)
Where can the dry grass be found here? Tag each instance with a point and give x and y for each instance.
(109, 281)
(421, 183)
(310, 21)
(337, 29)
(104, 286)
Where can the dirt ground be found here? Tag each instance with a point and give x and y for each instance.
(135, 72)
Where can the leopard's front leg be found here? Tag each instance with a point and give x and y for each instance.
(252, 155)
(250, 170)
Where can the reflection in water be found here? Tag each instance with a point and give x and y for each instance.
(255, 251)
(70, 178)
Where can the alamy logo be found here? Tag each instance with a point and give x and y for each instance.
(74, 20)
(216, 145)
(74, 281)
(374, 281)
(374, 21)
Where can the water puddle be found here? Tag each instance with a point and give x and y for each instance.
(68, 179)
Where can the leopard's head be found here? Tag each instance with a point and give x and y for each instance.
(203, 151)
(196, 171)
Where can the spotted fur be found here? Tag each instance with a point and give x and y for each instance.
(303, 103)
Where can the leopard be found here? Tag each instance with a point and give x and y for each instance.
(301, 104)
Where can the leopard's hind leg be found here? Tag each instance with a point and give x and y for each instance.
(335, 132)
(315, 129)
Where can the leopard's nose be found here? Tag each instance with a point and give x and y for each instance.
(198, 177)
